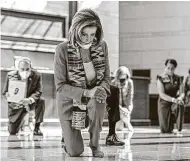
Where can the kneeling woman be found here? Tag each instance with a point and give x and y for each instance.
(120, 104)
(171, 95)
(82, 73)
(125, 84)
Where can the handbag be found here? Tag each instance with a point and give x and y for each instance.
(80, 118)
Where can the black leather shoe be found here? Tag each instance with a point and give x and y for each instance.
(38, 132)
(114, 140)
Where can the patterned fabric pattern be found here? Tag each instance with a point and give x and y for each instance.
(76, 71)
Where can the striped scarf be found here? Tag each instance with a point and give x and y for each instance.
(76, 71)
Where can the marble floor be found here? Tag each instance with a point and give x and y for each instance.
(145, 144)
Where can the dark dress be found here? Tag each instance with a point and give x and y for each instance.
(168, 112)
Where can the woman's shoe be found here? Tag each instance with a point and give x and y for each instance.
(96, 152)
(179, 134)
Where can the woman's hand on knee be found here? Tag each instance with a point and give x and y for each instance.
(101, 95)
(91, 93)
(98, 93)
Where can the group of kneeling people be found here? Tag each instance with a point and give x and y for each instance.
(82, 78)
(121, 95)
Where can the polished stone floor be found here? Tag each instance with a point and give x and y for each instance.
(145, 144)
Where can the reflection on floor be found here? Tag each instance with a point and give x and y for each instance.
(144, 144)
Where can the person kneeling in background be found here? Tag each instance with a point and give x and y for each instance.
(120, 104)
(33, 100)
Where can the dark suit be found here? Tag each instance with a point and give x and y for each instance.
(34, 90)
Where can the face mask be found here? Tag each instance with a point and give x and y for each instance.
(122, 81)
(24, 74)
(86, 46)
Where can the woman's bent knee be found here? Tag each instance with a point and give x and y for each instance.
(74, 150)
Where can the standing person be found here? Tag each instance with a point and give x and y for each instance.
(17, 111)
(120, 103)
(187, 90)
(171, 95)
(81, 71)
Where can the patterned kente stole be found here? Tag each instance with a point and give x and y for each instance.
(76, 73)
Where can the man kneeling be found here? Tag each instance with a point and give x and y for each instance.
(17, 111)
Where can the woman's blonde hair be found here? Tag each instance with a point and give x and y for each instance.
(123, 70)
(85, 18)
